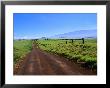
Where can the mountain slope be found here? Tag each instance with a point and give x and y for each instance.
(78, 34)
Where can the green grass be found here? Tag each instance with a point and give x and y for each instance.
(76, 51)
(21, 48)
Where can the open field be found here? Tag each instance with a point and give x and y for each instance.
(76, 51)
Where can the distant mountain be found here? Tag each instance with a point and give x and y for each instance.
(77, 34)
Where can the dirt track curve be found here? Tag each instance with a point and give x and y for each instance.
(39, 62)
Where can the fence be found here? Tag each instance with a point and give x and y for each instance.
(74, 39)
(65, 39)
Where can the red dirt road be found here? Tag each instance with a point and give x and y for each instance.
(39, 62)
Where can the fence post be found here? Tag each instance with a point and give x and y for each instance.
(66, 42)
(72, 40)
(83, 40)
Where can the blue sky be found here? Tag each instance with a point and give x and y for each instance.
(37, 25)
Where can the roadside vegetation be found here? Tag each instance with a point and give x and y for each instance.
(21, 48)
(81, 53)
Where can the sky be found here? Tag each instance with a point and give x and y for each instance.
(37, 25)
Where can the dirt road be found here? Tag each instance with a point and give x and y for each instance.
(39, 62)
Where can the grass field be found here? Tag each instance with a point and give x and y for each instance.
(21, 48)
(75, 51)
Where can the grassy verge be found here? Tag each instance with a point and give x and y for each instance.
(21, 48)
